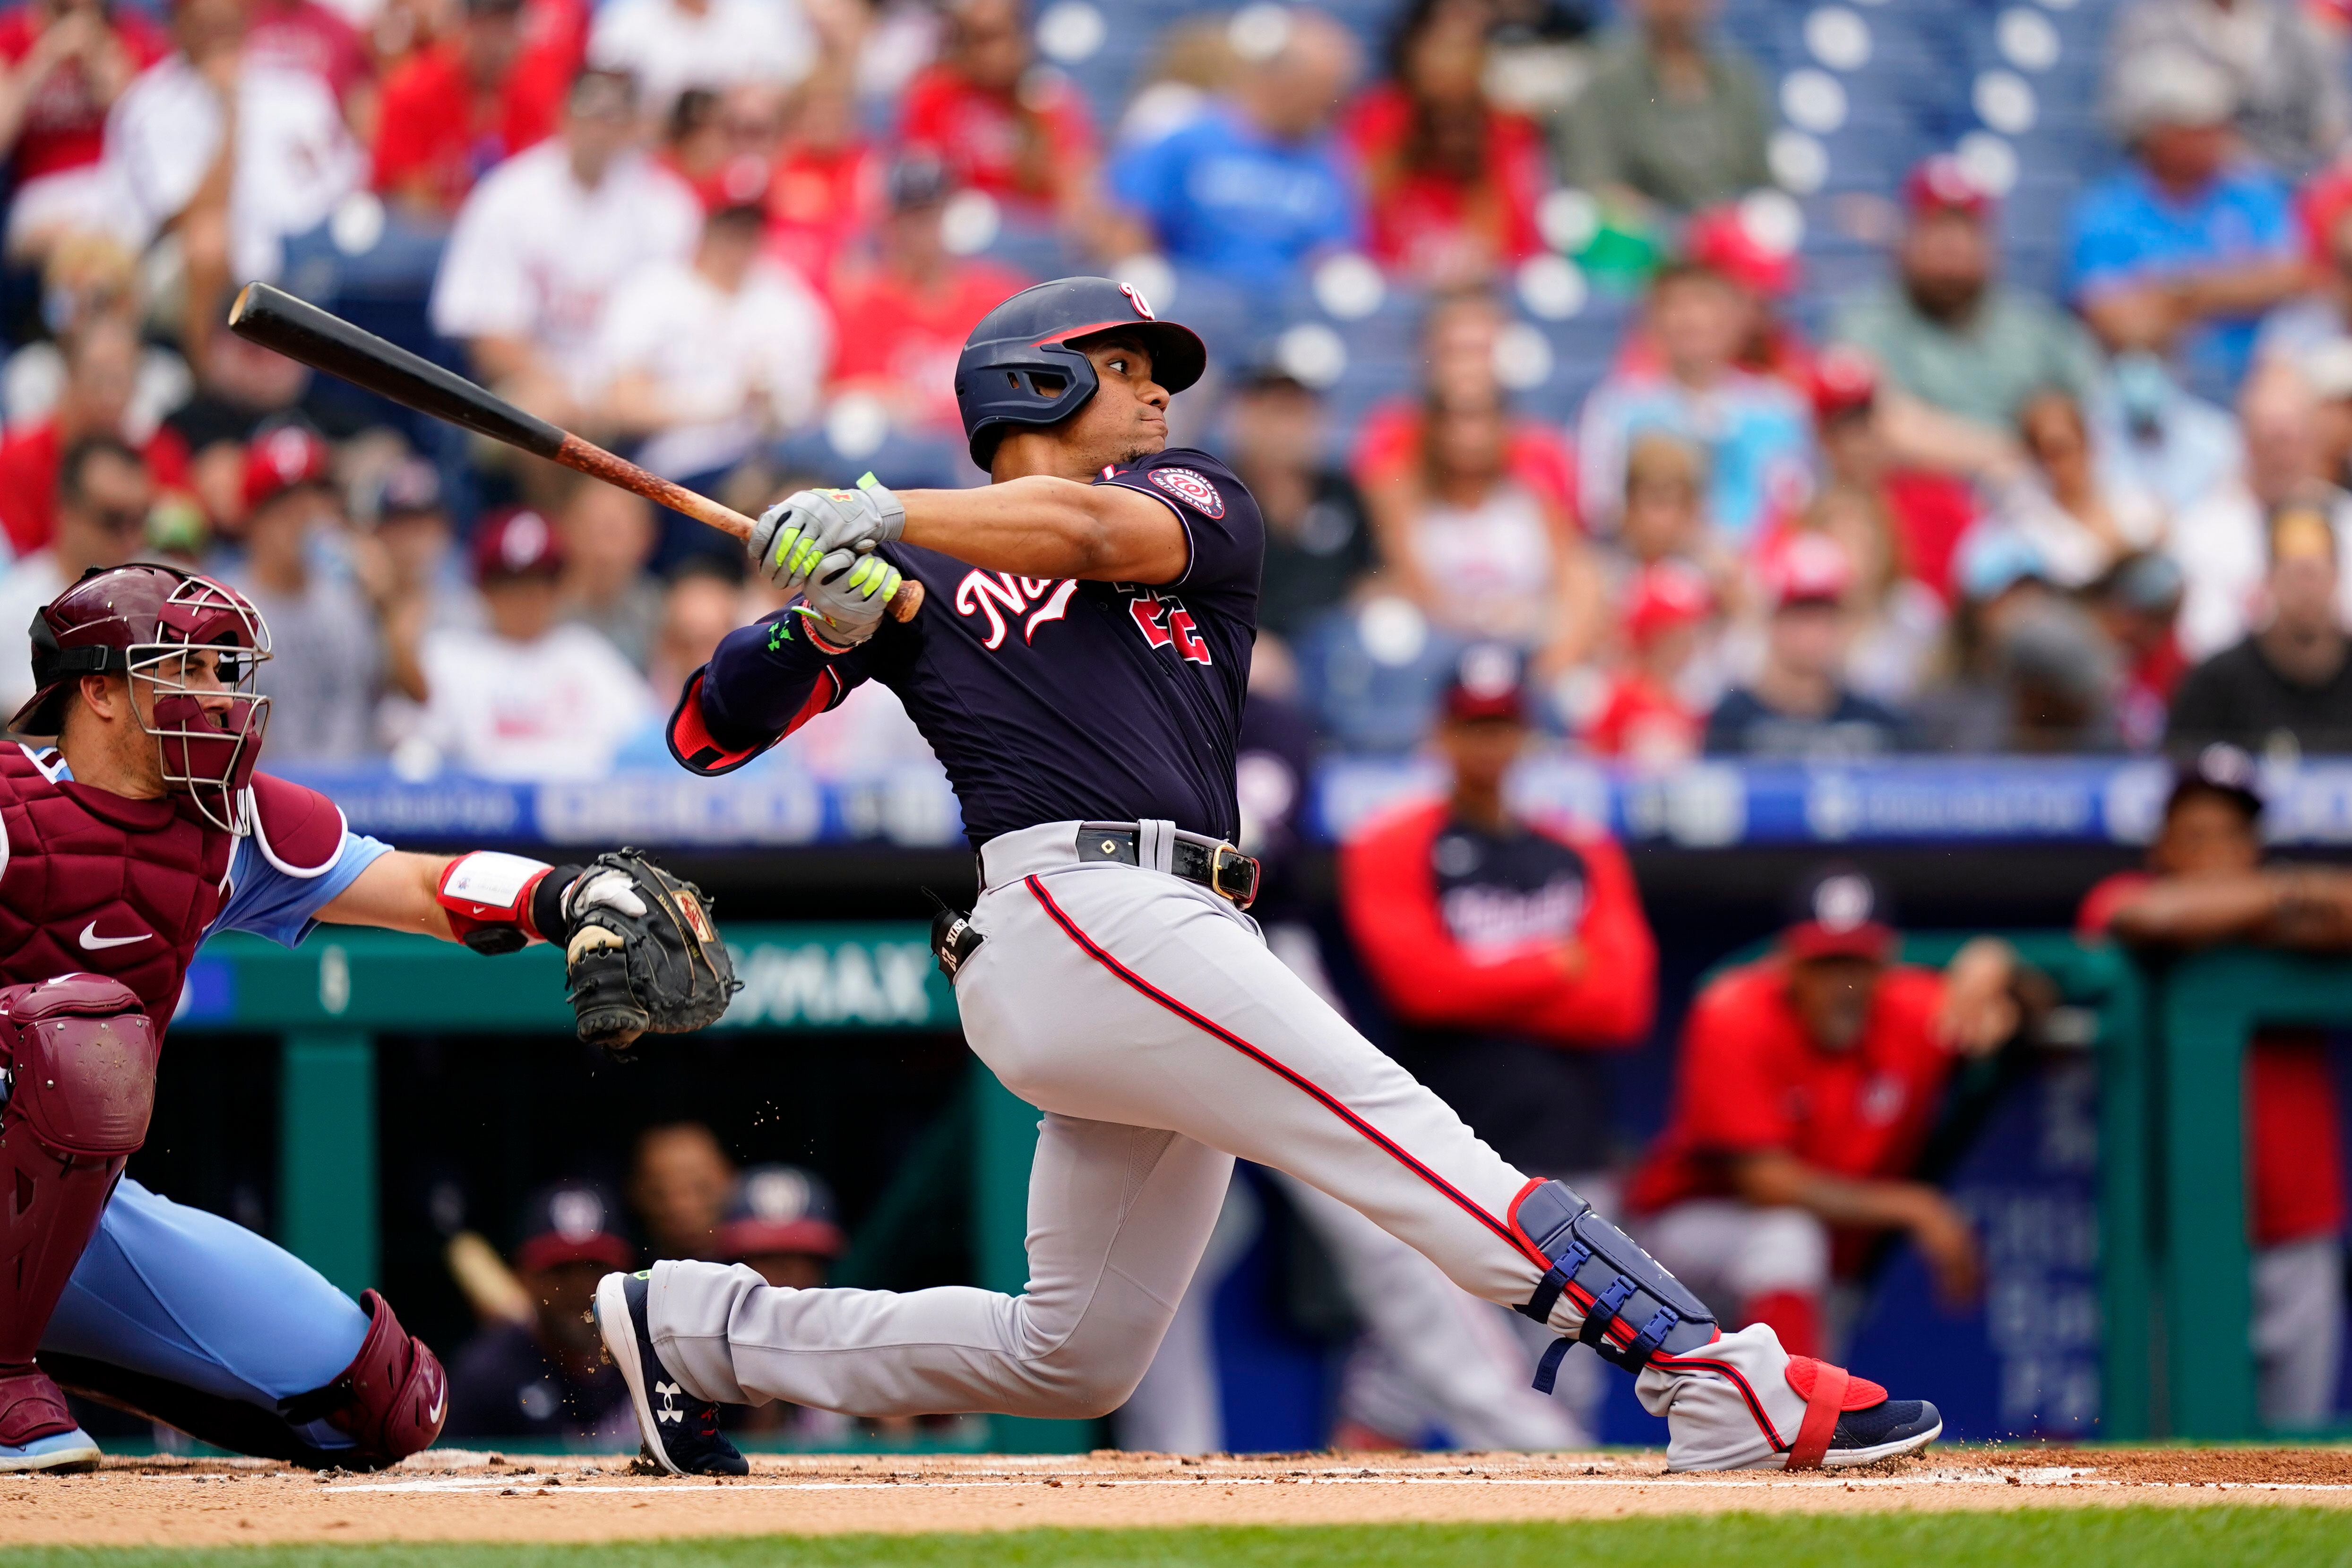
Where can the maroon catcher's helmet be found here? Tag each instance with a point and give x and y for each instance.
(143, 621)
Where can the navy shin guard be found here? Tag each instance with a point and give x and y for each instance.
(1632, 1308)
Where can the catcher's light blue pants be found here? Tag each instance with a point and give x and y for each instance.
(187, 1297)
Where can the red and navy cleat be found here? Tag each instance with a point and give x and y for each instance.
(680, 1432)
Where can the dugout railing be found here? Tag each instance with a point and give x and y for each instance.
(2207, 1009)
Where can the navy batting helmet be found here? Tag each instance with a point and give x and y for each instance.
(1017, 367)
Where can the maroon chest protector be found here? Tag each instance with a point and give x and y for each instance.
(95, 882)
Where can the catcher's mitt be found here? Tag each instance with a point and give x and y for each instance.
(641, 953)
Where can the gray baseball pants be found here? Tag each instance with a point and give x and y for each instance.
(1145, 1017)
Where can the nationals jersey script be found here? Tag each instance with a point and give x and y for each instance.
(1048, 700)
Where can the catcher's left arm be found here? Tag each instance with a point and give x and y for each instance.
(640, 953)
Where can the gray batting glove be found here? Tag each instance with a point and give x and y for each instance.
(799, 532)
(846, 598)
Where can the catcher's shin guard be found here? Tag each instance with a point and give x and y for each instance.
(390, 1402)
(81, 1056)
(1632, 1308)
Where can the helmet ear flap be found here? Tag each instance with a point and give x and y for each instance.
(1041, 385)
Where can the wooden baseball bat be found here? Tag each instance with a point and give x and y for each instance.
(300, 330)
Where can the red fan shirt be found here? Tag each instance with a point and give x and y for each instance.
(1021, 148)
(65, 125)
(1640, 722)
(1422, 221)
(903, 343)
(29, 458)
(1389, 440)
(438, 136)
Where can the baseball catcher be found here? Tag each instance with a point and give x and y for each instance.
(142, 831)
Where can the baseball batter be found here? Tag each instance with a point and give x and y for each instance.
(1079, 669)
(144, 831)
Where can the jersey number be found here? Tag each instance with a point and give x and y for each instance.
(1166, 623)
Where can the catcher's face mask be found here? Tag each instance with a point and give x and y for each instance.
(193, 689)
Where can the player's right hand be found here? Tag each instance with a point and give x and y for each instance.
(847, 596)
(798, 532)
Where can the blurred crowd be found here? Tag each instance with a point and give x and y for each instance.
(742, 241)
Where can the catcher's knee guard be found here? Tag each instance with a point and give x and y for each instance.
(1632, 1308)
(80, 1058)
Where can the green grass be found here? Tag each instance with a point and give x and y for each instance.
(2075, 1538)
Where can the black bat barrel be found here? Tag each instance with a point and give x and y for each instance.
(300, 330)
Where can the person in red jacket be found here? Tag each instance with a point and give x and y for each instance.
(2205, 884)
(1809, 1082)
(1514, 955)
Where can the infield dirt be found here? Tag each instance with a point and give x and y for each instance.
(449, 1495)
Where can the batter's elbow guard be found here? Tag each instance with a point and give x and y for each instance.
(392, 1399)
(1633, 1309)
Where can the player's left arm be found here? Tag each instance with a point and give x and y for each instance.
(1040, 526)
(398, 892)
(1047, 527)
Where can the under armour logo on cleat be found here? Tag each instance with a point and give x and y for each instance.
(667, 1393)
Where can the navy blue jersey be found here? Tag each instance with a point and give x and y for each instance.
(1046, 699)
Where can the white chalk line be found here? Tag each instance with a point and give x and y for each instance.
(467, 1485)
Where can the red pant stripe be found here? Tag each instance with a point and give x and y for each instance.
(1328, 1102)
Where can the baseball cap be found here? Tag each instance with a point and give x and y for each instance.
(2218, 769)
(2172, 86)
(919, 182)
(1485, 685)
(281, 458)
(1845, 382)
(515, 542)
(1941, 183)
(780, 1208)
(572, 1222)
(1992, 560)
(2150, 583)
(1807, 569)
(413, 488)
(1840, 911)
(1666, 593)
(1722, 240)
(737, 186)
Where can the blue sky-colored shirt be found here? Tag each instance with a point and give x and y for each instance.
(1228, 199)
(2126, 231)
(273, 903)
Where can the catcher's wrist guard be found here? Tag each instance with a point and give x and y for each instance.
(496, 903)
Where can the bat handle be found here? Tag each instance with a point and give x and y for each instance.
(583, 456)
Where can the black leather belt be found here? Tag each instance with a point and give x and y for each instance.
(1220, 867)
